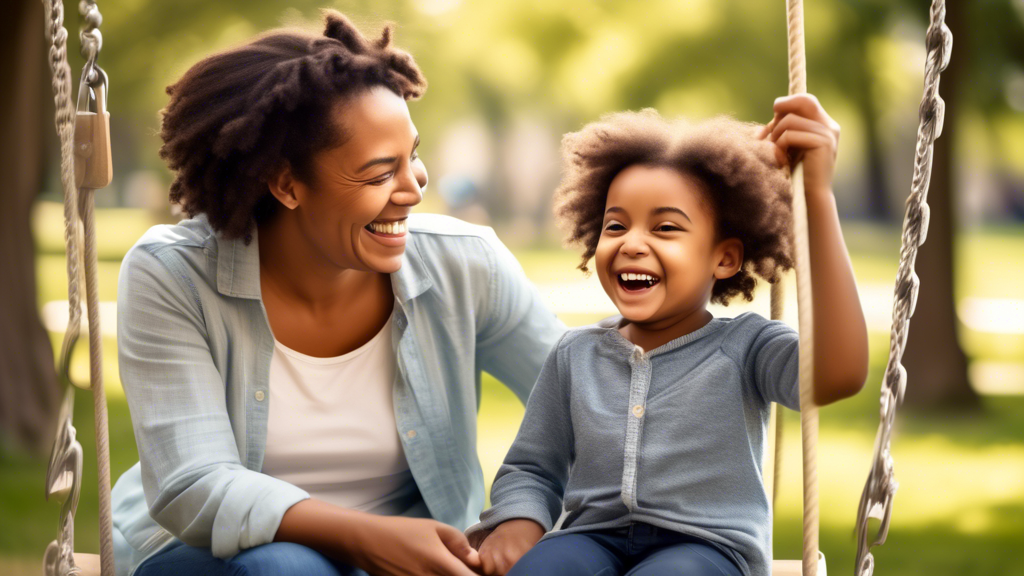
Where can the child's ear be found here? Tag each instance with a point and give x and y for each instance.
(730, 258)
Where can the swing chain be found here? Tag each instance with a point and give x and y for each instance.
(877, 498)
(91, 40)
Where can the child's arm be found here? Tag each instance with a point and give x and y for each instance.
(527, 494)
(803, 130)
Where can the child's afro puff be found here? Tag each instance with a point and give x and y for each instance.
(746, 191)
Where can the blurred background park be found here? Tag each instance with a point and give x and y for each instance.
(507, 79)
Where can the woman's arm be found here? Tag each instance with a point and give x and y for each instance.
(518, 329)
(195, 484)
(802, 129)
(382, 545)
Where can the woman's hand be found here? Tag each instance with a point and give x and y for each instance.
(503, 547)
(396, 546)
(802, 130)
(381, 545)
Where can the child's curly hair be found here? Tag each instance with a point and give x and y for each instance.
(747, 193)
(238, 116)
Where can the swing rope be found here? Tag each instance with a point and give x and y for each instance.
(78, 186)
(880, 488)
(805, 306)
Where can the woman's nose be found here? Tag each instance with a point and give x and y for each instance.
(413, 181)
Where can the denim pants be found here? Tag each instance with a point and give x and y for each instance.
(636, 550)
(274, 559)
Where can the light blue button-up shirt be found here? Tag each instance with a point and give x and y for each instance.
(195, 349)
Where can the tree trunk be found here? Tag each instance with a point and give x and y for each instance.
(877, 184)
(29, 392)
(936, 366)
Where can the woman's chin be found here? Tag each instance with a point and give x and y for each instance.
(385, 265)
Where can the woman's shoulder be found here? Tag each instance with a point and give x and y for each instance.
(176, 239)
(442, 228)
(445, 243)
(169, 251)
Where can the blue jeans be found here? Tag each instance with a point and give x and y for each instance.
(637, 550)
(274, 559)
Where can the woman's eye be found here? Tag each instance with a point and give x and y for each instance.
(415, 156)
(381, 180)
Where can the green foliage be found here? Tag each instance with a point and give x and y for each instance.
(574, 60)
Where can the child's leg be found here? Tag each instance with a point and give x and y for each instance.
(689, 558)
(570, 555)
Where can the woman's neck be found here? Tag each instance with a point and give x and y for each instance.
(296, 270)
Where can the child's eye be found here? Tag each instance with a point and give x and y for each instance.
(614, 226)
(667, 228)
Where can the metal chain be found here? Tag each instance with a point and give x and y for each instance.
(877, 497)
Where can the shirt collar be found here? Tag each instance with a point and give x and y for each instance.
(238, 269)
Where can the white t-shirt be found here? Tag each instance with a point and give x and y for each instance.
(331, 428)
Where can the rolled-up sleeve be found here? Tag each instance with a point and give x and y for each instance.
(516, 328)
(195, 484)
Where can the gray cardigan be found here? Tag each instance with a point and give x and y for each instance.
(673, 437)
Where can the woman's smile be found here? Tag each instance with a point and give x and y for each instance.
(390, 233)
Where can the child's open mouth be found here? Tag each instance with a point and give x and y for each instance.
(637, 282)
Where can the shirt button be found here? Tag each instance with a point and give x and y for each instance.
(260, 396)
(410, 434)
(638, 411)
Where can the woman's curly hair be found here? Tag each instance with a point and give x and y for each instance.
(745, 191)
(235, 118)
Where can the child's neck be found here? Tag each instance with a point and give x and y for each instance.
(651, 335)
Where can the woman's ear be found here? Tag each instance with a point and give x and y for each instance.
(283, 186)
(730, 258)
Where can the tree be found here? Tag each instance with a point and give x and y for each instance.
(29, 392)
(936, 365)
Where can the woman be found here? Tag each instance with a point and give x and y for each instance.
(302, 358)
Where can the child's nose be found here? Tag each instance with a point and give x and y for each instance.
(634, 246)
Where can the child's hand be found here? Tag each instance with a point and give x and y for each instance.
(506, 545)
(802, 130)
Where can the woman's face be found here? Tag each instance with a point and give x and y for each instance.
(657, 256)
(355, 208)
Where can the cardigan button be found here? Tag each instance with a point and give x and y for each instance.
(638, 411)
(260, 395)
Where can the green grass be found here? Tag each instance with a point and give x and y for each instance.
(959, 509)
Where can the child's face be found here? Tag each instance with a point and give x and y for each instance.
(656, 226)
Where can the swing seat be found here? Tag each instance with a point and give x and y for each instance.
(790, 567)
(89, 564)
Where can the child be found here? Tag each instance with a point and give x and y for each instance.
(649, 428)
